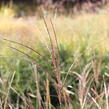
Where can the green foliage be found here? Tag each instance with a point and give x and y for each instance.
(79, 47)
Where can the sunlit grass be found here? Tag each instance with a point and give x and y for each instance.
(89, 32)
(81, 39)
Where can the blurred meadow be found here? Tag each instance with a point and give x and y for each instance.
(51, 60)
